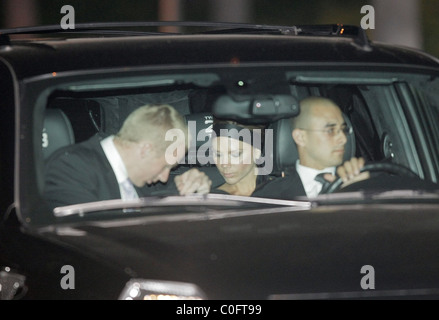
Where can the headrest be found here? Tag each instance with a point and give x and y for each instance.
(285, 152)
(57, 131)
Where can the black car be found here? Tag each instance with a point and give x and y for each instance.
(373, 240)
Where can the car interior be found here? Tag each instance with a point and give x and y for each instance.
(78, 112)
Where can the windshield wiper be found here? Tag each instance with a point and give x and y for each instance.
(207, 200)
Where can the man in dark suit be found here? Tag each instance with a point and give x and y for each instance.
(320, 134)
(120, 166)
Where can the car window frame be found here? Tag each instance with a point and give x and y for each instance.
(31, 120)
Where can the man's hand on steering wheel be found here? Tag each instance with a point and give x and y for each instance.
(349, 172)
(356, 170)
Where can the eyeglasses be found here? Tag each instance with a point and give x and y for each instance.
(332, 131)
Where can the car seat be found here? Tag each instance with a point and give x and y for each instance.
(57, 131)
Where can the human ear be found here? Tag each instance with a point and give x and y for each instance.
(298, 137)
(146, 148)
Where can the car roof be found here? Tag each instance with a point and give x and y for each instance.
(63, 51)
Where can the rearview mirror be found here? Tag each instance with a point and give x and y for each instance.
(257, 108)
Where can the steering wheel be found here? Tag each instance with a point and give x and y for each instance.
(388, 167)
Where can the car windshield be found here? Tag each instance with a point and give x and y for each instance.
(90, 108)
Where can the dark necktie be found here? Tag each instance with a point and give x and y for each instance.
(325, 183)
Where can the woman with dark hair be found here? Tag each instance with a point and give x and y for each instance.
(237, 149)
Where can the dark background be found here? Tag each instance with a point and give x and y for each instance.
(413, 23)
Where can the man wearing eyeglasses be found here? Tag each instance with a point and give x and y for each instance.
(320, 133)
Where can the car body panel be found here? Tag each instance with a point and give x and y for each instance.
(286, 254)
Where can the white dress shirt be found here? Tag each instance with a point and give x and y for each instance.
(113, 156)
(307, 175)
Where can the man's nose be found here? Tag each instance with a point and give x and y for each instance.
(341, 137)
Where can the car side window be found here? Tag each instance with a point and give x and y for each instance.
(427, 102)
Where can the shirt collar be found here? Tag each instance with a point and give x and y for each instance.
(114, 158)
(307, 175)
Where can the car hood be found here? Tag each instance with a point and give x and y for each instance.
(318, 252)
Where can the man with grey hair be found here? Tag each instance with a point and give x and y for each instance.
(119, 166)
